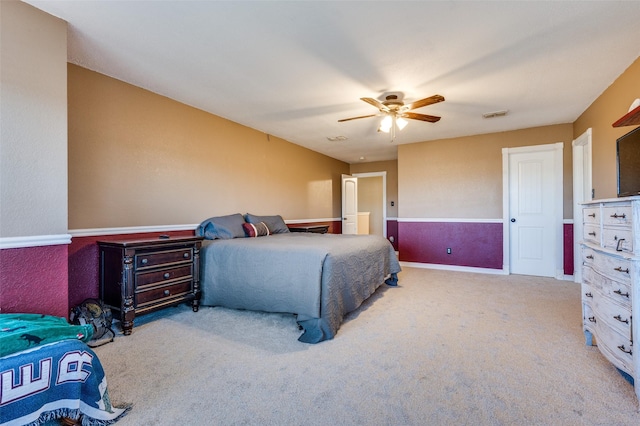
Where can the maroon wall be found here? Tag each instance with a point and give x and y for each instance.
(568, 248)
(34, 280)
(392, 231)
(476, 245)
(472, 244)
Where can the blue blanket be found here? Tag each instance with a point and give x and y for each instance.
(63, 379)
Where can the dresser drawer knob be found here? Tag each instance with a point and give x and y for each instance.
(166, 275)
(593, 215)
(619, 318)
(616, 216)
(592, 319)
(185, 255)
(623, 349)
(590, 256)
(588, 294)
(619, 269)
(621, 293)
(144, 261)
(593, 234)
(167, 292)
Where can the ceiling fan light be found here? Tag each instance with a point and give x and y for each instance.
(401, 122)
(385, 124)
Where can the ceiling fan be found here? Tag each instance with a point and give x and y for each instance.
(395, 111)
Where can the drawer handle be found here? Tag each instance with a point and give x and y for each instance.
(592, 319)
(593, 215)
(621, 216)
(619, 269)
(621, 293)
(588, 294)
(167, 292)
(144, 261)
(166, 275)
(593, 234)
(619, 246)
(185, 255)
(590, 256)
(619, 318)
(623, 349)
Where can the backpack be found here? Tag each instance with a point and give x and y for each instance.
(96, 313)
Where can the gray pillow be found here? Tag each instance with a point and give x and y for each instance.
(275, 223)
(222, 227)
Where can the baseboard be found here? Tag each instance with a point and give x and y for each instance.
(453, 268)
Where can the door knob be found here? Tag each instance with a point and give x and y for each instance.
(513, 219)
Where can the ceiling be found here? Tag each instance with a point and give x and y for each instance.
(292, 69)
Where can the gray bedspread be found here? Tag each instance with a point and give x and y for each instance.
(318, 277)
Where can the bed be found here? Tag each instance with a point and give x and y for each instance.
(318, 277)
(48, 372)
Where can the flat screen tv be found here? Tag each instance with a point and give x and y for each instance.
(628, 149)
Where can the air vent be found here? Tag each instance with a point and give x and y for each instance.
(495, 114)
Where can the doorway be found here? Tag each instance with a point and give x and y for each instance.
(371, 197)
(532, 210)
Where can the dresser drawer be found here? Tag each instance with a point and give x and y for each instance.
(153, 278)
(591, 215)
(588, 317)
(613, 267)
(168, 257)
(156, 295)
(615, 347)
(617, 215)
(619, 239)
(588, 256)
(591, 233)
(614, 315)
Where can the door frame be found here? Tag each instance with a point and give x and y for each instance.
(384, 194)
(582, 191)
(557, 149)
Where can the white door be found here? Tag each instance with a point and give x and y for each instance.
(349, 204)
(532, 213)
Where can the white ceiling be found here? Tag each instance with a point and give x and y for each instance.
(292, 69)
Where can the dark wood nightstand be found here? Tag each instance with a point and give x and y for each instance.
(316, 229)
(141, 276)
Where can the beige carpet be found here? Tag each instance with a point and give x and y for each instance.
(442, 348)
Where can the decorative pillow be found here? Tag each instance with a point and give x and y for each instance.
(222, 227)
(275, 224)
(256, 229)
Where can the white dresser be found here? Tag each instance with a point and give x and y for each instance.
(610, 281)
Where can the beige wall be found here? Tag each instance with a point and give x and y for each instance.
(140, 159)
(33, 141)
(370, 200)
(462, 177)
(391, 167)
(601, 114)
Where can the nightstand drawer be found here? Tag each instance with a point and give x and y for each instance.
(157, 294)
(147, 260)
(164, 275)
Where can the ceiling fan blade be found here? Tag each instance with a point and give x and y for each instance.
(376, 103)
(421, 117)
(424, 102)
(355, 118)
